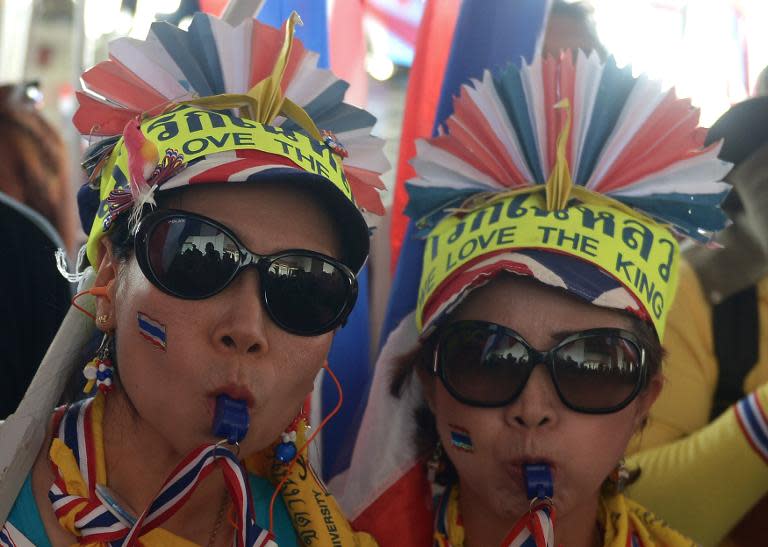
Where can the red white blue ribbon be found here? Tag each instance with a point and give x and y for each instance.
(534, 529)
(753, 421)
(96, 523)
(11, 537)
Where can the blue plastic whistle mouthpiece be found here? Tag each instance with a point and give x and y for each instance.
(230, 420)
(538, 481)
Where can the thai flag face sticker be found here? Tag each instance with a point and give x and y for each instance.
(152, 331)
(460, 438)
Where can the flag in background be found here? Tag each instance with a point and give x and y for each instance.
(384, 471)
(313, 34)
(433, 45)
(348, 48)
(488, 34)
(401, 19)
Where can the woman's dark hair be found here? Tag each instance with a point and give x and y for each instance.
(121, 237)
(420, 361)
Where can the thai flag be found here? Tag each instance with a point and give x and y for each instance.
(384, 467)
(534, 529)
(400, 17)
(753, 421)
(152, 331)
(433, 45)
(313, 33)
(461, 439)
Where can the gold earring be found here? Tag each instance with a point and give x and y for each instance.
(102, 319)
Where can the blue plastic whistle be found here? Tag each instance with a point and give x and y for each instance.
(538, 481)
(230, 420)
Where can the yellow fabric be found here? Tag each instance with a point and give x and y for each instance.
(455, 528)
(559, 183)
(641, 254)
(689, 369)
(704, 483)
(684, 464)
(315, 514)
(62, 456)
(617, 515)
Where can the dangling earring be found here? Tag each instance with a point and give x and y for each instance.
(619, 478)
(99, 370)
(436, 464)
(286, 450)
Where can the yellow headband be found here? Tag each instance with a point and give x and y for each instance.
(195, 133)
(642, 255)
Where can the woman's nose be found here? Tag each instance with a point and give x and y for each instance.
(536, 405)
(242, 326)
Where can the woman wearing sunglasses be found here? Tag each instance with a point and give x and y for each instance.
(533, 351)
(224, 251)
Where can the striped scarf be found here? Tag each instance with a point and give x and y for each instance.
(626, 524)
(85, 509)
(534, 529)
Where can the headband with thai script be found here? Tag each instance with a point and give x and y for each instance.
(578, 158)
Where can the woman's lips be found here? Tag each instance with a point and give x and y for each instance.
(515, 468)
(234, 391)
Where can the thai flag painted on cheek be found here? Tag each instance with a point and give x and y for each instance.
(460, 439)
(151, 330)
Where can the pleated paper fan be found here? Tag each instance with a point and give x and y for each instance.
(620, 138)
(147, 77)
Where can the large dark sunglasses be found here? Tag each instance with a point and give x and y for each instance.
(194, 257)
(596, 371)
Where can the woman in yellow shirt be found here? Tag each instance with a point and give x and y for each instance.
(680, 450)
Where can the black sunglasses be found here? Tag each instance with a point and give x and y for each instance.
(193, 257)
(596, 371)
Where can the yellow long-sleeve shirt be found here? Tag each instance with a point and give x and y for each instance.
(701, 478)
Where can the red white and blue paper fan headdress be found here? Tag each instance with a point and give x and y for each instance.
(558, 150)
(222, 104)
(573, 172)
